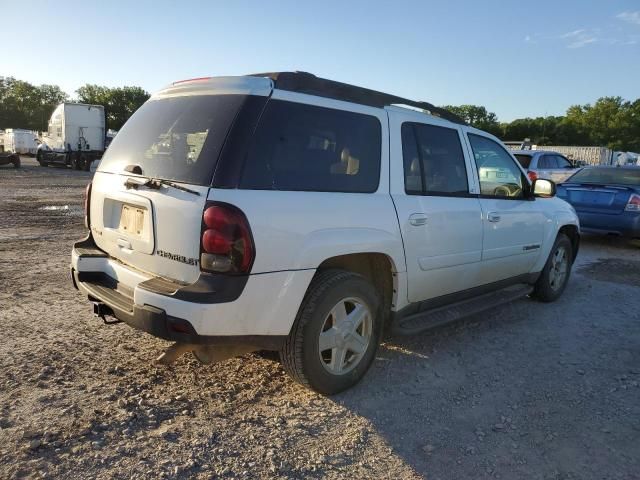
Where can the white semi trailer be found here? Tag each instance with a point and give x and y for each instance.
(22, 142)
(75, 136)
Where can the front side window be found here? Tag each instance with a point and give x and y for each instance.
(497, 172)
(309, 148)
(433, 160)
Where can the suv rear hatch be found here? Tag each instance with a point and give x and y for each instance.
(150, 190)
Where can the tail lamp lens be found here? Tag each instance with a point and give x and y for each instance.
(87, 202)
(633, 205)
(226, 244)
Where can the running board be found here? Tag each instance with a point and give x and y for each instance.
(435, 317)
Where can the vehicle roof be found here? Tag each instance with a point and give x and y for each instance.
(533, 152)
(303, 82)
(299, 82)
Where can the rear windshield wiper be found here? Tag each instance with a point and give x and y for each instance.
(156, 183)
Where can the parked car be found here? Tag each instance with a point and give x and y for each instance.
(292, 213)
(7, 158)
(545, 164)
(606, 199)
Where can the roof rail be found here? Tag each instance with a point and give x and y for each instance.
(303, 82)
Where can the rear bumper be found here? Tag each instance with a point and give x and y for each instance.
(210, 311)
(626, 224)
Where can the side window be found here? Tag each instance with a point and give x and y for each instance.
(498, 174)
(304, 147)
(433, 160)
(547, 162)
(563, 162)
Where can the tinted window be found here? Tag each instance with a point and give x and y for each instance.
(304, 147)
(175, 138)
(546, 162)
(525, 160)
(563, 162)
(608, 176)
(433, 160)
(498, 174)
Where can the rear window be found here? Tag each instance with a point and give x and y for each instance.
(304, 147)
(524, 160)
(176, 138)
(608, 176)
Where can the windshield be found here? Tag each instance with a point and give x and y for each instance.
(608, 176)
(176, 138)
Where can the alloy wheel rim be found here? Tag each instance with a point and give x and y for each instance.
(559, 268)
(345, 336)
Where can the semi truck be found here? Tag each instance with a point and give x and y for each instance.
(75, 136)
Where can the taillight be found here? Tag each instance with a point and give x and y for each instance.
(87, 202)
(226, 243)
(533, 176)
(633, 205)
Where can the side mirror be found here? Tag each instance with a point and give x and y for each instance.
(543, 188)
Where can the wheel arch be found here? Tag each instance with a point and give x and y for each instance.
(378, 268)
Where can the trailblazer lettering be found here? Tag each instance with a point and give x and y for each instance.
(178, 258)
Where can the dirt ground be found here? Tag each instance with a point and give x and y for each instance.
(530, 390)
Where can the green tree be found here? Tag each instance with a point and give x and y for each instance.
(23, 105)
(477, 116)
(119, 103)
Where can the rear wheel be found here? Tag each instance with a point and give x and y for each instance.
(86, 163)
(75, 164)
(336, 333)
(16, 161)
(556, 272)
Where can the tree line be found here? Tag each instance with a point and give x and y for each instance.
(23, 105)
(610, 121)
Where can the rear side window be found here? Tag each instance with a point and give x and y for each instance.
(304, 147)
(547, 161)
(176, 138)
(433, 160)
(524, 160)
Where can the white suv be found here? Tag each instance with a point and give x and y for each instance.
(287, 212)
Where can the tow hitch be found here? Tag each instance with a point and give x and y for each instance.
(102, 311)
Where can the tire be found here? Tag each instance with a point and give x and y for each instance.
(552, 283)
(40, 160)
(337, 368)
(16, 162)
(86, 164)
(75, 165)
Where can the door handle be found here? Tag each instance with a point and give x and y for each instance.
(493, 217)
(124, 244)
(417, 219)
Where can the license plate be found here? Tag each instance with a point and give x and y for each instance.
(132, 220)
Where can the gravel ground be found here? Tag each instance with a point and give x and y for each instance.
(529, 390)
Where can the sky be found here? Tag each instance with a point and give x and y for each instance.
(516, 58)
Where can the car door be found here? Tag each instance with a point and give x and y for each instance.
(564, 169)
(439, 217)
(547, 165)
(513, 223)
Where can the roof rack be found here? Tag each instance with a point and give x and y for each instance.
(303, 82)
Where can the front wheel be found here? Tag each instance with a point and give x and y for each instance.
(555, 275)
(336, 334)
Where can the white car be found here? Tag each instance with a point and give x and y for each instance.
(287, 212)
